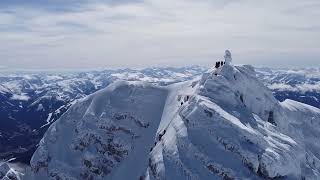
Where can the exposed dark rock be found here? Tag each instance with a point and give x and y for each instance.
(271, 118)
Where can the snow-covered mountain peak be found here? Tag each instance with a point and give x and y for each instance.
(108, 125)
(237, 86)
(222, 125)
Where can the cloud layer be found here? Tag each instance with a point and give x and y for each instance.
(123, 33)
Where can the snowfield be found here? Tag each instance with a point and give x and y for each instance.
(31, 101)
(223, 126)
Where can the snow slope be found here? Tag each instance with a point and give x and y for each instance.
(31, 101)
(224, 126)
(8, 173)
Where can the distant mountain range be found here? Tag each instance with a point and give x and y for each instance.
(302, 85)
(31, 101)
(225, 124)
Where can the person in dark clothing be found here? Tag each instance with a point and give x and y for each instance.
(221, 62)
(216, 65)
(161, 134)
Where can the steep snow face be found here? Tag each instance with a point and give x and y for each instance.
(303, 123)
(225, 126)
(223, 132)
(31, 101)
(104, 135)
(237, 87)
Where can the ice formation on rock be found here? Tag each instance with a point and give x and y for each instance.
(227, 57)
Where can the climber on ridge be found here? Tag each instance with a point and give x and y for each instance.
(219, 64)
(216, 66)
(227, 60)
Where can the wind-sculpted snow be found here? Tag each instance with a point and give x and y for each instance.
(224, 124)
(7, 172)
(31, 101)
(114, 125)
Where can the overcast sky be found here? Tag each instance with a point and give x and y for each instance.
(136, 33)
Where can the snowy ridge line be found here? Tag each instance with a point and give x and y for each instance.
(225, 124)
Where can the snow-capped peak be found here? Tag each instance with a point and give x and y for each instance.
(221, 125)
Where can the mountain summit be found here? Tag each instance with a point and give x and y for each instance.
(224, 124)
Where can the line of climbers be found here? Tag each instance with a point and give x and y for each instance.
(219, 64)
(227, 60)
(158, 139)
(185, 99)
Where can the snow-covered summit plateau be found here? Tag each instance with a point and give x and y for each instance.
(224, 124)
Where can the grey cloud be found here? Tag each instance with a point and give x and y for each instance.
(144, 33)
